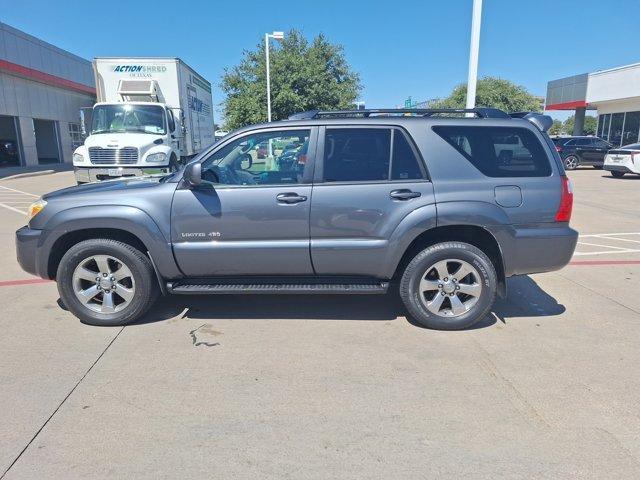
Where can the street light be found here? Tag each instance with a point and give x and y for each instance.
(476, 19)
(267, 36)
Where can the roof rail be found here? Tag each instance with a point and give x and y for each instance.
(481, 112)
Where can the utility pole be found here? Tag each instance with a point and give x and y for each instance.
(267, 36)
(472, 80)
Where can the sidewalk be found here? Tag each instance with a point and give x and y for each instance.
(7, 172)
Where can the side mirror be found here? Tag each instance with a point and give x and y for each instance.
(193, 174)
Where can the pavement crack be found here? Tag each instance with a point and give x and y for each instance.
(517, 398)
(599, 293)
(61, 403)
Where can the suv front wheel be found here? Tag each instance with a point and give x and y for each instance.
(106, 282)
(449, 286)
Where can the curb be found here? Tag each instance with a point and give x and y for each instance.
(28, 174)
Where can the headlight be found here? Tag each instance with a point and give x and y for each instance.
(78, 158)
(157, 157)
(35, 208)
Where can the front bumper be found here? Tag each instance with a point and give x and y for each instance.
(27, 241)
(94, 174)
(618, 168)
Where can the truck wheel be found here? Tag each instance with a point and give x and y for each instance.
(174, 166)
(449, 286)
(617, 174)
(106, 282)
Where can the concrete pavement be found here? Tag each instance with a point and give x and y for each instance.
(333, 387)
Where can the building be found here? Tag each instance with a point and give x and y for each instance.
(614, 93)
(42, 89)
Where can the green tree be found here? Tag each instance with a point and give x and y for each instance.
(590, 125)
(493, 92)
(556, 128)
(304, 76)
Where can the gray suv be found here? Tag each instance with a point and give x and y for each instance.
(442, 205)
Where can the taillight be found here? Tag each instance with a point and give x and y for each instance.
(566, 201)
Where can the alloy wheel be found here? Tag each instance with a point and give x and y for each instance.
(450, 288)
(103, 284)
(571, 162)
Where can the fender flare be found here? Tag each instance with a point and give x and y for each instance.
(117, 217)
(489, 217)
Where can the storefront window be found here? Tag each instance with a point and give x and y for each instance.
(606, 119)
(631, 128)
(615, 131)
(600, 125)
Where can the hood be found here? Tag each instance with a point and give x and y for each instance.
(105, 187)
(140, 141)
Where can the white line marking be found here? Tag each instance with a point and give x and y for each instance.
(18, 191)
(608, 252)
(609, 234)
(8, 207)
(621, 239)
(603, 246)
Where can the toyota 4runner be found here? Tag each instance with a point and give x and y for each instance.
(442, 205)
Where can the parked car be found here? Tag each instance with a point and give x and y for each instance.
(438, 208)
(623, 160)
(8, 153)
(577, 151)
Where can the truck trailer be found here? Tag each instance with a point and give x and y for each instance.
(151, 115)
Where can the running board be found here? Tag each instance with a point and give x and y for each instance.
(195, 287)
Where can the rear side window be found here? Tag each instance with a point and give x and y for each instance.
(499, 151)
(405, 165)
(366, 154)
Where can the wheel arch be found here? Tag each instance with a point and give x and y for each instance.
(472, 234)
(128, 224)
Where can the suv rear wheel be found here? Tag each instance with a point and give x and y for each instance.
(571, 162)
(106, 282)
(449, 286)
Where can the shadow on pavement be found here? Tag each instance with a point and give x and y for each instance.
(628, 176)
(525, 299)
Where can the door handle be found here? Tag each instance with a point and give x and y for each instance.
(404, 194)
(290, 198)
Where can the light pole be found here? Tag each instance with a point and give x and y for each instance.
(267, 36)
(473, 53)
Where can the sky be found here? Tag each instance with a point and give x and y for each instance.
(401, 48)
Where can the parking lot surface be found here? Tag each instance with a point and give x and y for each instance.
(321, 387)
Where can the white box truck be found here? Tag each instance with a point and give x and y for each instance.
(152, 114)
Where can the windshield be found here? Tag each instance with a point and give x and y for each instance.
(128, 118)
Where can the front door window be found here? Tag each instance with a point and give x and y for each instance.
(265, 158)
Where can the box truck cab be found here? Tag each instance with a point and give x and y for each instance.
(152, 115)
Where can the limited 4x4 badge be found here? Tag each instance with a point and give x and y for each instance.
(200, 234)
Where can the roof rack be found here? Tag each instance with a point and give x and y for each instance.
(481, 112)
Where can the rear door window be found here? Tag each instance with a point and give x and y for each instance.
(369, 155)
(499, 151)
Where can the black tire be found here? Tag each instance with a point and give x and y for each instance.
(617, 174)
(417, 269)
(571, 162)
(598, 167)
(146, 284)
(174, 165)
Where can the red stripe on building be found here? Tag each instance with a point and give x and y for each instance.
(567, 105)
(42, 77)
